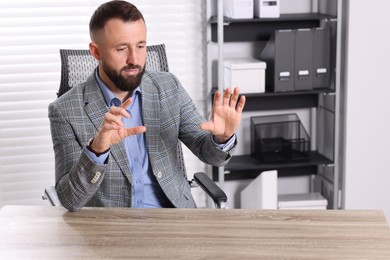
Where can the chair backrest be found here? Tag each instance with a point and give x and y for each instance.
(77, 65)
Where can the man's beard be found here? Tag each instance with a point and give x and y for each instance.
(122, 83)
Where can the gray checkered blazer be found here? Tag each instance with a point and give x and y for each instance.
(169, 116)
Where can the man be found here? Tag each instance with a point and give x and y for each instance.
(116, 136)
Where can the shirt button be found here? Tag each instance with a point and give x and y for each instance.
(159, 175)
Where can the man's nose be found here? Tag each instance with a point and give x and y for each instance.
(131, 57)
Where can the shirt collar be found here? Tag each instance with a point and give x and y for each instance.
(109, 97)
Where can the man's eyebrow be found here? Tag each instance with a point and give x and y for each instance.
(121, 44)
(125, 44)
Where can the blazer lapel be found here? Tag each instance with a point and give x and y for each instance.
(151, 115)
(96, 108)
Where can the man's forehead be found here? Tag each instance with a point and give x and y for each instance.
(117, 31)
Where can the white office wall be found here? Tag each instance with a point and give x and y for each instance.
(31, 34)
(367, 106)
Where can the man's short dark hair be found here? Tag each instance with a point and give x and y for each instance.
(123, 10)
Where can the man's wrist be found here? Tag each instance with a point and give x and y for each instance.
(223, 139)
(89, 147)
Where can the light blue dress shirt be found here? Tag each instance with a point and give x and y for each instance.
(146, 192)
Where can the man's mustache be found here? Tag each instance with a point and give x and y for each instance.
(132, 66)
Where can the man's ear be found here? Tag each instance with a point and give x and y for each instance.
(94, 50)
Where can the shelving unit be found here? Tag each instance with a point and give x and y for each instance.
(323, 103)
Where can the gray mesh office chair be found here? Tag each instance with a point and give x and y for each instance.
(77, 65)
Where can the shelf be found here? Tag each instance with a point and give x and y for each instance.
(261, 29)
(246, 167)
(283, 100)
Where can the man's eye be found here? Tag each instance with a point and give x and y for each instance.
(121, 49)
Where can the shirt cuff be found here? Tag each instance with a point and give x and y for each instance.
(98, 160)
(228, 145)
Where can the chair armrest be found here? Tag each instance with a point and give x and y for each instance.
(51, 195)
(211, 188)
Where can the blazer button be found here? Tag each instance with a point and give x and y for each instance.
(159, 175)
(96, 177)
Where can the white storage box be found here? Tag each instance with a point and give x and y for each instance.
(238, 9)
(267, 8)
(296, 6)
(309, 201)
(246, 73)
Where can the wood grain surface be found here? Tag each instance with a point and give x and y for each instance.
(39, 232)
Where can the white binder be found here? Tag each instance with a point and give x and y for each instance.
(262, 192)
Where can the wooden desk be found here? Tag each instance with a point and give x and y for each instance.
(34, 232)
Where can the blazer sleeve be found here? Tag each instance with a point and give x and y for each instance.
(77, 176)
(198, 141)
